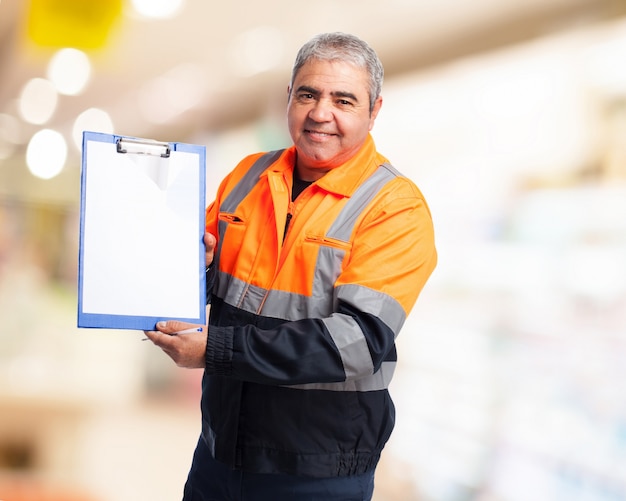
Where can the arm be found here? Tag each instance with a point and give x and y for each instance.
(302, 351)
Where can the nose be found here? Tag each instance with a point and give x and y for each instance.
(321, 111)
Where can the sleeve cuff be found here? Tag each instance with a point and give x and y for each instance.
(219, 351)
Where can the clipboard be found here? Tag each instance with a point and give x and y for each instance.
(141, 249)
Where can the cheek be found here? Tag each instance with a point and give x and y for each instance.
(355, 128)
(294, 117)
(291, 123)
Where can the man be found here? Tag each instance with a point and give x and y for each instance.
(317, 254)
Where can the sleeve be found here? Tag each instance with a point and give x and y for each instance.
(393, 254)
(210, 276)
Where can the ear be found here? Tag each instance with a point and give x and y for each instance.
(374, 113)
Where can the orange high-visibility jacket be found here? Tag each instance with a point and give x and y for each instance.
(308, 297)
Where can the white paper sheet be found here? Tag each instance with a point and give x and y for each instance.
(140, 241)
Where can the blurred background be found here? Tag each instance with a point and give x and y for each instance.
(510, 116)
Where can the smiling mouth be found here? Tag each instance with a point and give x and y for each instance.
(318, 133)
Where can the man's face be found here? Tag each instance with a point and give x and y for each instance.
(328, 115)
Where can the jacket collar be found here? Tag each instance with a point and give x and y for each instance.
(344, 179)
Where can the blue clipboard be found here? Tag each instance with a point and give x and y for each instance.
(141, 249)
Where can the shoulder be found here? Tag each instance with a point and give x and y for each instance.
(397, 194)
(399, 185)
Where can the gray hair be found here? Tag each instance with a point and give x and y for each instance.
(347, 48)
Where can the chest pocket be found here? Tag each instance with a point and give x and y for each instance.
(325, 241)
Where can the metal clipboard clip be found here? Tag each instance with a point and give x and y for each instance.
(143, 147)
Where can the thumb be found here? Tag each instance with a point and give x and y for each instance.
(209, 243)
(171, 326)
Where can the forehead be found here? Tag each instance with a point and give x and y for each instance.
(332, 75)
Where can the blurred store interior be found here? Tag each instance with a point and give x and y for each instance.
(510, 116)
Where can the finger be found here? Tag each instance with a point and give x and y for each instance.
(150, 335)
(185, 351)
(161, 339)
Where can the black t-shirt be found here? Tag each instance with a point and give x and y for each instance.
(299, 186)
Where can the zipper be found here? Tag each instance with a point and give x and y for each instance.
(288, 219)
(287, 222)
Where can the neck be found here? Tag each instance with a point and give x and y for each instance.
(309, 175)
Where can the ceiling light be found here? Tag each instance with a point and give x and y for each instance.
(69, 70)
(38, 101)
(159, 9)
(46, 154)
(93, 119)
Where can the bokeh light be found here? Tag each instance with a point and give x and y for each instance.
(38, 101)
(46, 154)
(157, 8)
(93, 119)
(69, 70)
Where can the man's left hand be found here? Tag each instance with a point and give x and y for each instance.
(186, 350)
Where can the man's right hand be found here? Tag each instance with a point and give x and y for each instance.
(209, 243)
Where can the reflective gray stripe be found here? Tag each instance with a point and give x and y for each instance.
(330, 259)
(374, 302)
(380, 380)
(350, 341)
(328, 268)
(243, 187)
(289, 306)
(249, 180)
(280, 304)
(342, 227)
